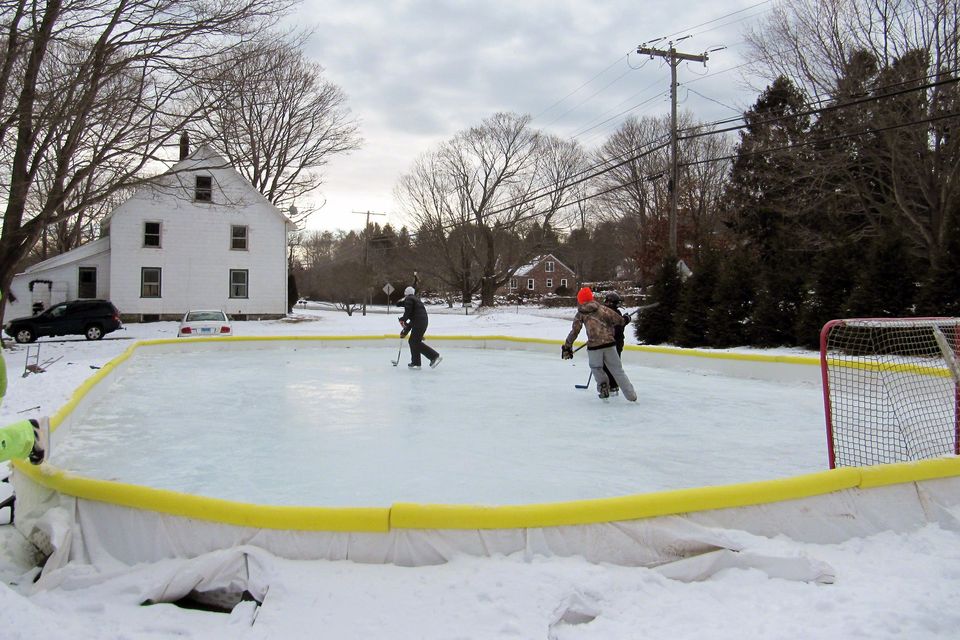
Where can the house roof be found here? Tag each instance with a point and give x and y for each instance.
(74, 255)
(203, 157)
(527, 268)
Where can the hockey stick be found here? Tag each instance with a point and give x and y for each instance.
(585, 386)
(948, 355)
(644, 308)
(399, 351)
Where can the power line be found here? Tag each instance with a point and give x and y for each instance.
(699, 131)
(653, 149)
(597, 75)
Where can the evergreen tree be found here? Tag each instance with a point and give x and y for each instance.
(940, 291)
(655, 325)
(730, 315)
(886, 284)
(767, 197)
(830, 281)
(696, 300)
(778, 301)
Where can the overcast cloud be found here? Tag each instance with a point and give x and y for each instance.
(418, 71)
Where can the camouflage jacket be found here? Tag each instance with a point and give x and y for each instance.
(601, 323)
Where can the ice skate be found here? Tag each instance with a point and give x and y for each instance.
(604, 391)
(435, 362)
(413, 366)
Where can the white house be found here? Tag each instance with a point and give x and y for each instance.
(199, 236)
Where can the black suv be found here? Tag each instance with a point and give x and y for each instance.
(91, 318)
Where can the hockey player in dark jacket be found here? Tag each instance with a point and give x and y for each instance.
(414, 321)
(612, 300)
(601, 323)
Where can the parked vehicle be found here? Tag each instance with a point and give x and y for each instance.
(91, 318)
(205, 323)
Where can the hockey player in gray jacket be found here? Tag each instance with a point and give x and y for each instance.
(601, 323)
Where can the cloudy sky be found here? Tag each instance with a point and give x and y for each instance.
(416, 72)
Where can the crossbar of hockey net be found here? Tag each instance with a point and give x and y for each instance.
(891, 389)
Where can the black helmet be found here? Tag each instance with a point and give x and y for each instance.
(612, 299)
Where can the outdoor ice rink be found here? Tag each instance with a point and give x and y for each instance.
(288, 423)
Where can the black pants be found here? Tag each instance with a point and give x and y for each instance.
(613, 383)
(418, 347)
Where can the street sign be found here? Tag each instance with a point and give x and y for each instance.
(388, 288)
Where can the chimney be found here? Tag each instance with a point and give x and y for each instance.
(184, 145)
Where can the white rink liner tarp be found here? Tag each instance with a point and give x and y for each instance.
(687, 533)
(201, 556)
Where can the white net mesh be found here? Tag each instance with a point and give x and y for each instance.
(891, 388)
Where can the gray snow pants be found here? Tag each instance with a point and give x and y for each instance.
(609, 357)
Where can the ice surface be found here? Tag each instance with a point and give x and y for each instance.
(294, 424)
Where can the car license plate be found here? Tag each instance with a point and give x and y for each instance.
(206, 330)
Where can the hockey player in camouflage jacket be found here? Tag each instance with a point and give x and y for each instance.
(601, 323)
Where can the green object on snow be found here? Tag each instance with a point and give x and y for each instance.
(16, 440)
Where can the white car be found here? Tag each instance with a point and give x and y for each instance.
(205, 323)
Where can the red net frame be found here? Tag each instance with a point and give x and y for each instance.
(891, 389)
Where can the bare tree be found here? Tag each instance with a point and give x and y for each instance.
(487, 183)
(702, 180)
(278, 121)
(92, 88)
(812, 41)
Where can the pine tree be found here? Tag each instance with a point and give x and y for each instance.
(655, 325)
(830, 281)
(778, 301)
(729, 318)
(696, 301)
(886, 284)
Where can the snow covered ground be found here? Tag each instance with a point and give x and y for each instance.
(891, 585)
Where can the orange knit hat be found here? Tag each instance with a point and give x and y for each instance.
(585, 295)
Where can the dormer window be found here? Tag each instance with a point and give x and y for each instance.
(203, 192)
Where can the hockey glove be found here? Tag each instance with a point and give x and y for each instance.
(566, 352)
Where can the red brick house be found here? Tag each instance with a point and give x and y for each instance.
(544, 274)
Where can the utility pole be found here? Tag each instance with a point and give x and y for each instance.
(366, 240)
(673, 58)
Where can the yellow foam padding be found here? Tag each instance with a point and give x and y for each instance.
(648, 505)
(725, 355)
(890, 367)
(901, 472)
(292, 518)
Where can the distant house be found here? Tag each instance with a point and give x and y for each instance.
(544, 274)
(199, 236)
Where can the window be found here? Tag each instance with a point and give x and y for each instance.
(563, 282)
(238, 283)
(151, 234)
(531, 283)
(513, 283)
(549, 268)
(549, 283)
(150, 282)
(204, 189)
(238, 237)
(87, 282)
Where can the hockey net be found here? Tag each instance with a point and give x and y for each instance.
(891, 389)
